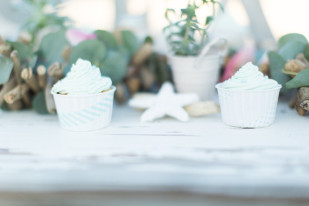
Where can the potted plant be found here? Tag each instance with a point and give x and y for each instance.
(194, 64)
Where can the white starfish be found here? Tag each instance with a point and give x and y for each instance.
(167, 102)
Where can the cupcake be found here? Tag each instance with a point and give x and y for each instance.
(84, 98)
(248, 99)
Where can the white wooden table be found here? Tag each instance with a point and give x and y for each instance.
(162, 163)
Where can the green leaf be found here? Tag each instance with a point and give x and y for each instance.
(107, 38)
(208, 19)
(52, 45)
(291, 37)
(129, 41)
(115, 66)
(91, 50)
(276, 64)
(24, 50)
(291, 49)
(300, 80)
(39, 103)
(306, 51)
(6, 66)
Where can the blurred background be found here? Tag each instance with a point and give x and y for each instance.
(147, 17)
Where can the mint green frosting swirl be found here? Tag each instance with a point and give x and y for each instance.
(248, 77)
(83, 78)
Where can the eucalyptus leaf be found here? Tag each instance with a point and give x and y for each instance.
(306, 51)
(24, 50)
(209, 19)
(115, 66)
(300, 80)
(291, 49)
(91, 50)
(276, 64)
(291, 37)
(129, 41)
(6, 66)
(39, 103)
(52, 45)
(107, 38)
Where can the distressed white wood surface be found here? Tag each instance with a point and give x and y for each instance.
(203, 156)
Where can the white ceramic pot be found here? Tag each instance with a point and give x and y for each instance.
(193, 75)
(198, 74)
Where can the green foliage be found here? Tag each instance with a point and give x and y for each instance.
(291, 37)
(288, 47)
(181, 33)
(6, 66)
(51, 47)
(39, 103)
(276, 64)
(25, 53)
(107, 38)
(300, 80)
(91, 50)
(130, 42)
(115, 65)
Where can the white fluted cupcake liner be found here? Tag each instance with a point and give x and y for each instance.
(85, 113)
(248, 109)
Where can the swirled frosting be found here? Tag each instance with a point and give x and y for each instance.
(248, 77)
(83, 78)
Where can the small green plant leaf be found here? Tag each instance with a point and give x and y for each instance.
(300, 80)
(91, 50)
(52, 45)
(39, 103)
(115, 66)
(291, 37)
(208, 19)
(129, 41)
(107, 38)
(6, 66)
(276, 64)
(306, 51)
(24, 50)
(291, 49)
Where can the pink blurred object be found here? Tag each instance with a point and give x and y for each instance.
(76, 36)
(236, 61)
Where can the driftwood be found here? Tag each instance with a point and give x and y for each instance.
(5, 49)
(55, 70)
(16, 68)
(41, 71)
(142, 54)
(17, 105)
(29, 78)
(50, 103)
(16, 93)
(302, 101)
(8, 86)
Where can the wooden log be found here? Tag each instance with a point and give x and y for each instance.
(41, 71)
(16, 68)
(55, 70)
(133, 84)
(16, 93)
(142, 54)
(29, 78)
(25, 37)
(49, 99)
(8, 86)
(17, 105)
(66, 53)
(302, 102)
(5, 49)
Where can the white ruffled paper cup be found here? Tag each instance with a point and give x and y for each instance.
(85, 113)
(248, 109)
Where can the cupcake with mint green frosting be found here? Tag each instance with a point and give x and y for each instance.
(84, 98)
(248, 99)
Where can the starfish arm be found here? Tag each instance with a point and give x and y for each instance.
(186, 99)
(152, 114)
(178, 113)
(142, 103)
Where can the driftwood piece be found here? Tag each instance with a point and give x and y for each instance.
(142, 54)
(1, 40)
(55, 70)
(133, 84)
(5, 49)
(50, 103)
(302, 101)
(16, 68)
(30, 79)
(17, 105)
(66, 53)
(41, 71)
(25, 37)
(8, 86)
(16, 93)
